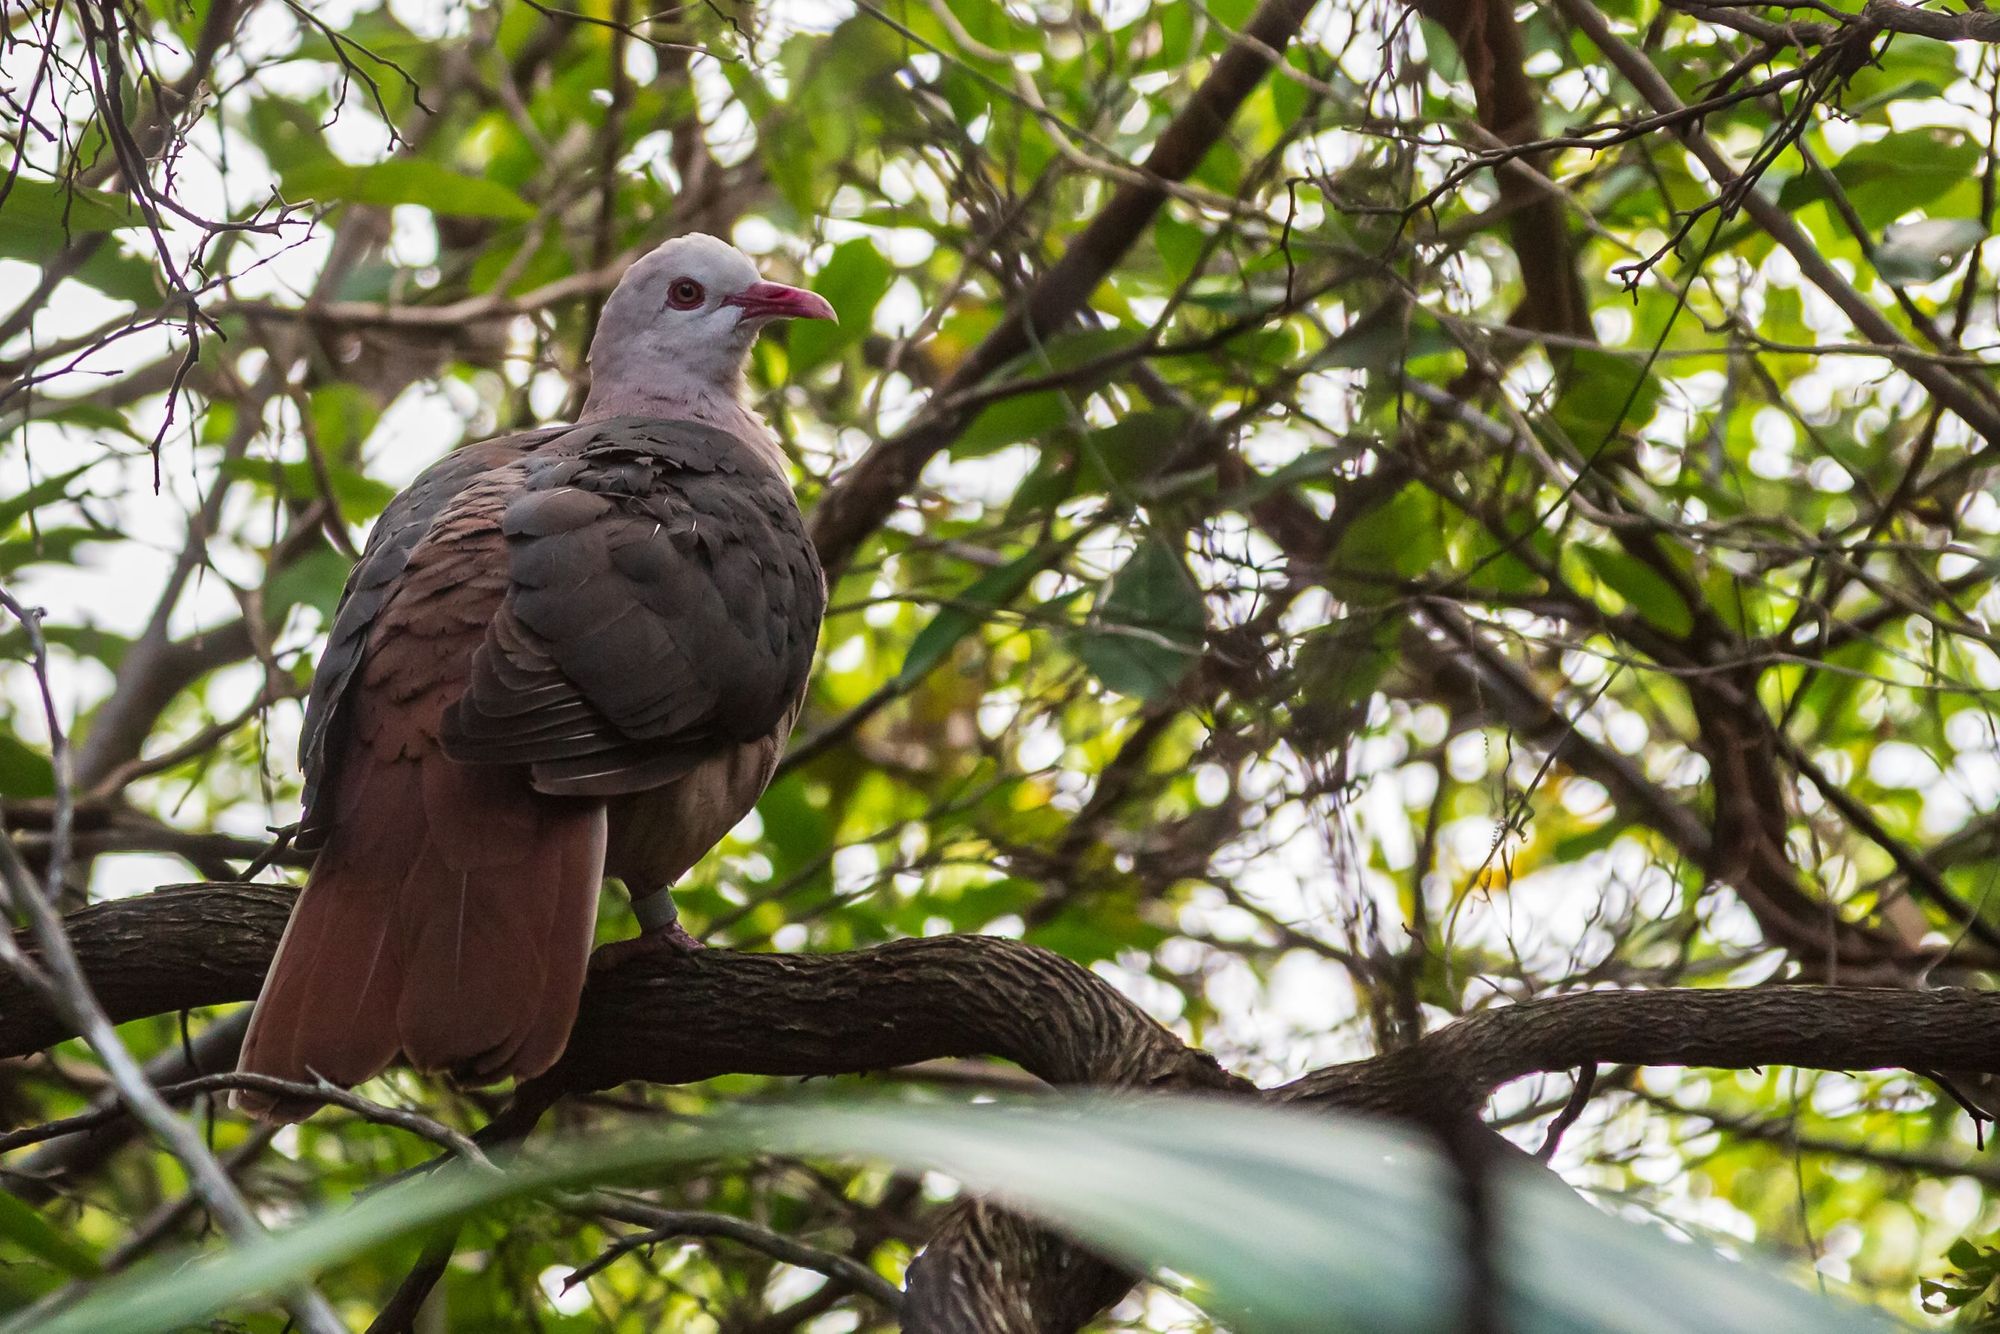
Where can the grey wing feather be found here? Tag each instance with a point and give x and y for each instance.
(664, 607)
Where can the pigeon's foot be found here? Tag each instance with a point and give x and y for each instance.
(661, 933)
(672, 939)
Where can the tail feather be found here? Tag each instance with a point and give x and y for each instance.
(566, 959)
(328, 1006)
(448, 919)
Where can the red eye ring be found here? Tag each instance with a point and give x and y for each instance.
(685, 294)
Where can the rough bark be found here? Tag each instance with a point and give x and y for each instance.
(675, 1019)
(1812, 1027)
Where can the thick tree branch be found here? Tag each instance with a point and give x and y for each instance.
(1812, 1027)
(1977, 24)
(683, 1019)
(179, 948)
(677, 1019)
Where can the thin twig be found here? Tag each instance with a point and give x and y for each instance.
(367, 1109)
(1579, 1098)
(667, 1224)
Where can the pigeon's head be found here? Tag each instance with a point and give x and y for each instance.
(681, 320)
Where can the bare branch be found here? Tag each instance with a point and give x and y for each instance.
(667, 1224)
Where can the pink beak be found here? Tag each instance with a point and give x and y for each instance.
(775, 301)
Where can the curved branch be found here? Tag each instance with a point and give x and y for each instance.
(676, 1019)
(682, 1018)
(1812, 1027)
(715, 1012)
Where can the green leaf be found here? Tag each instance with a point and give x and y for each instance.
(24, 771)
(1491, 567)
(343, 414)
(1384, 339)
(38, 216)
(1311, 466)
(1900, 71)
(359, 496)
(406, 181)
(972, 609)
(1011, 420)
(1180, 246)
(1115, 459)
(1284, 1221)
(1396, 541)
(1126, 453)
(1644, 588)
(314, 580)
(1336, 668)
(1147, 630)
(50, 545)
(855, 279)
(92, 416)
(84, 640)
(1638, 1280)
(287, 131)
(118, 273)
(1603, 394)
(1888, 177)
(15, 508)
(1926, 250)
(1037, 414)
(27, 1229)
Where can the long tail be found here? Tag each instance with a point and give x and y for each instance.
(448, 920)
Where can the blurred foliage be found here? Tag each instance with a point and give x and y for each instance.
(1289, 1222)
(1299, 643)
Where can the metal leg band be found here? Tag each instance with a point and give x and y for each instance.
(655, 911)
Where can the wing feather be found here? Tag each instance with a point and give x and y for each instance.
(664, 604)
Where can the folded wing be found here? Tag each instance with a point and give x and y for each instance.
(664, 604)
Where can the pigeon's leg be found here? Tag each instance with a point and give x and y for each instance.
(660, 932)
(660, 920)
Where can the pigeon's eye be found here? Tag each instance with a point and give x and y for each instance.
(685, 294)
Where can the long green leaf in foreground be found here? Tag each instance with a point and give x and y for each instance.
(1280, 1221)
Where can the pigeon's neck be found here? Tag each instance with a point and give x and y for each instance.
(717, 407)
